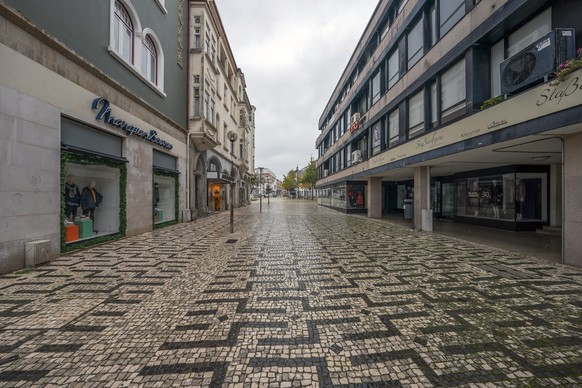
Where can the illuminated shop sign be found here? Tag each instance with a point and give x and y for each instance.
(105, 115)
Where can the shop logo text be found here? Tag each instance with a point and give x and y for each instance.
(105, 115)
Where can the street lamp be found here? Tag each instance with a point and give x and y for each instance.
(232, 136)
(261, 190)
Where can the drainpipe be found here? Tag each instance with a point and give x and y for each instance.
(563, 203)
(188, 87)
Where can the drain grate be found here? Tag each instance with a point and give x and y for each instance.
(231, 241)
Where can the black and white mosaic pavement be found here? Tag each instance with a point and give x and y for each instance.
(298, 296)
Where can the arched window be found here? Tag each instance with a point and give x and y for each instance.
(123, 32)
(149, 61)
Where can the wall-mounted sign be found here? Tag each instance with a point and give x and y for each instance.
(105, 115)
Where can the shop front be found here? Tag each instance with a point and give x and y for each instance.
(99, 185)
(514, 198)
(349, 197)
(93, 176)
(165, 193)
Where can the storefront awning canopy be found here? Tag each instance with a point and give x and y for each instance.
(218, 177)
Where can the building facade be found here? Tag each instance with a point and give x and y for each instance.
(452, 109)
(219, 107)
(93, 123)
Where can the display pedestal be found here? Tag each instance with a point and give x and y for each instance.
(85, 227)
(71, 233)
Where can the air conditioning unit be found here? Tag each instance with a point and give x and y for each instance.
(36, 252)
(355, 117)
(537, 61)
(325, 173)
(356, 156)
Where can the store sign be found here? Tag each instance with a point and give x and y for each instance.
(105, 115)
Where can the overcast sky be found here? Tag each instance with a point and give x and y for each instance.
(292, 53)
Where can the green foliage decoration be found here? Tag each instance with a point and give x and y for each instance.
(491, 102)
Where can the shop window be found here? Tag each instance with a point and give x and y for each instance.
(416, 114)
(414, 42)
(92, 200)
(164, 198)
(511, 197)
(356, 197)
(531, 197)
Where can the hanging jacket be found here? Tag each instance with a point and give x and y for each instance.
(90, 198)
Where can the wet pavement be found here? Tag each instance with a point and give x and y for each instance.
(299, 295)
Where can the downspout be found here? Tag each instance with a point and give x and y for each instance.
(188, 88)
(563, 172)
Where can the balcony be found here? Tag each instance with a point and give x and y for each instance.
(205, 136)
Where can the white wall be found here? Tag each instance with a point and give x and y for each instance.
(29, 176)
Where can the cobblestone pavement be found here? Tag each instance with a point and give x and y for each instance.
(298, 296)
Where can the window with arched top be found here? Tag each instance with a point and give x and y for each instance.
(123, 32)
(149, 60)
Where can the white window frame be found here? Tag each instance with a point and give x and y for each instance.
(139, 33)
(162, 5)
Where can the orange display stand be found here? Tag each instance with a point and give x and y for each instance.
(71, 233)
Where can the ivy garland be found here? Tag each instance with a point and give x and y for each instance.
(176, 200)
(67, 157)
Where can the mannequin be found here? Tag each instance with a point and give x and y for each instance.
(90, 200)
(156, 194)
(496, 198)
(72, 198)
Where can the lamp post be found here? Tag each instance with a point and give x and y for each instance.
(232, 136)
(261, 190)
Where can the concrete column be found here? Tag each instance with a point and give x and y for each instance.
(421, 193)
(572, 225)
(374, 197)
(556, 195)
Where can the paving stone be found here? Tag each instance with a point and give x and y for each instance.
(297, 296)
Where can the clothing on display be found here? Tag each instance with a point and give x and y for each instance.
(90, 200)
(72, 198)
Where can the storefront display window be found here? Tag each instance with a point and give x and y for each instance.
(403, 192)
(164, 199)
(531, 197)
(91, 201)
(507, 197)
(356, 197)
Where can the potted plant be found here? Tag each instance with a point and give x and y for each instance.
(492, 101)
(567, 68)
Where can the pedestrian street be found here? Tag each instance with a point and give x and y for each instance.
(298, 296)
